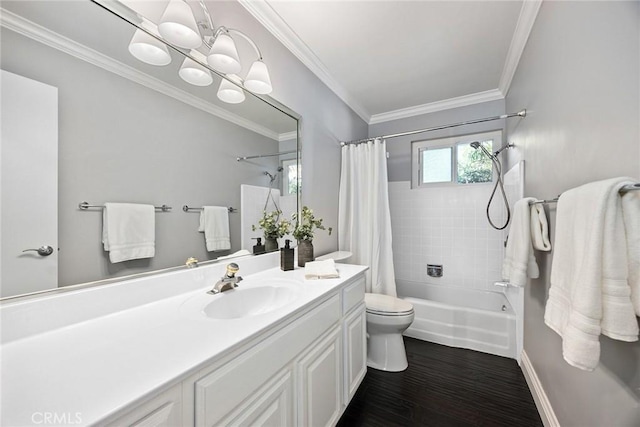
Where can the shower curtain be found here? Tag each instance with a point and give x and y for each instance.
(364, 221)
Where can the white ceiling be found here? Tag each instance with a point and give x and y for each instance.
(394, 59)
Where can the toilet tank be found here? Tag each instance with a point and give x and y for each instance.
(337, 256)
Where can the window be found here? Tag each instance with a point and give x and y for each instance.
(290, 180)
(436, 165)
(452, 161)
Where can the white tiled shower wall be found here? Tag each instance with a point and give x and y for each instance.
(447, 226)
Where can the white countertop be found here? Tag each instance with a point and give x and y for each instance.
(97, 367)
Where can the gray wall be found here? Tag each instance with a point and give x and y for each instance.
(399, 163)
(326, 120)
(122, 142)
(579, 80)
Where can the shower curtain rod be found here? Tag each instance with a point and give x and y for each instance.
(522, 113)
(240, 159)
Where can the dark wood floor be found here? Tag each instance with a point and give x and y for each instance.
(444, 386)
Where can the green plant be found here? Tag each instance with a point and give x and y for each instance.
(473, 165)
(272, 225)
(306, 226)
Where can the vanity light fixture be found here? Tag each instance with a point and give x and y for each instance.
(179, 27)
(149, 50)
(258, 79)
(224, 55)
(194, 73)
(229, 92)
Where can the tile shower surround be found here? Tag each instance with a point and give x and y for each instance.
(448, 226)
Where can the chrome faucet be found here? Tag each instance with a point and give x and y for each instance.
(228, 281)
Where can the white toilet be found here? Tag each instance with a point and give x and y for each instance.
(387, 318)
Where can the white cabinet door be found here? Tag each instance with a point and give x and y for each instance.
(28, 185)
(164, 410)
(320, 382)
(272, 405)
(355, 351)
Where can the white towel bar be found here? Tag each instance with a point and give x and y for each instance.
(187, 208)
(625, 189)
(85, 205)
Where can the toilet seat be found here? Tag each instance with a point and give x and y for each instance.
(385, 305)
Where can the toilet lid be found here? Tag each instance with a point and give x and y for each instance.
(387, 305)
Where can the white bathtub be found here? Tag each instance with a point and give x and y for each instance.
(458, 317)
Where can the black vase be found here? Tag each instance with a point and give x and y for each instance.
(305, 252)
(270, 244)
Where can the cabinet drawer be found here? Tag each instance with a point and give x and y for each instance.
(353, 294)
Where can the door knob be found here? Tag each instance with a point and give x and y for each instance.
(42, 250)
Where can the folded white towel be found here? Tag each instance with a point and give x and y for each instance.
(589, 292)
(128, 231)
(320, 270)
(631, 214)
(519, 262)
(539, 228)
(214, 223)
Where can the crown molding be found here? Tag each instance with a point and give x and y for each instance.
(527, 18)
(270, 19)
(432, 107)
(52, 39)
(288, 136)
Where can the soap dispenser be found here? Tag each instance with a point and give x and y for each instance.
(286, 257)
(259, 247)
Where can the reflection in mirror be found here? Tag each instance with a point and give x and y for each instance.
(85, 121)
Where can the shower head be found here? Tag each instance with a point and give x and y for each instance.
(274, 176)
(476, 145)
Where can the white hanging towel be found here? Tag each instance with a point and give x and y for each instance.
(589, 292)
(128, 231)
(214, 223)
(631, 213)
(519, 262)
(539, 229)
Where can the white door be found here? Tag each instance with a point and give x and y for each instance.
(28, 185)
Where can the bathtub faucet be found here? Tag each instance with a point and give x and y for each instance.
(228, 281)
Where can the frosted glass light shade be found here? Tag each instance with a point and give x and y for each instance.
(194, 73)
(224, 55)
(148, 49)
(178, 25)
(230, 93)
(258, 79)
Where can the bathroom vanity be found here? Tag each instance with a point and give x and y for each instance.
(159, 350)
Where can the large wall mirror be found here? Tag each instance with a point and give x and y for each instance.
(85, 121)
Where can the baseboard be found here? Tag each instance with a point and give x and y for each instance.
(539, 396)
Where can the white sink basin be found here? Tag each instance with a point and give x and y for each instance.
(243, 301)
